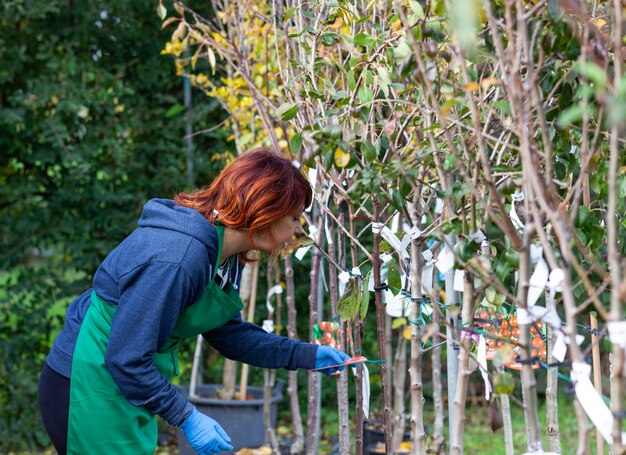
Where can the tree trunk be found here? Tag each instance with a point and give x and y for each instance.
(312, 437)
(358, 329)
(552, 403)
(415, 370)
(399, 379)
(380, 331)
(269, 377)
(467, 316)
(529, 384)
(505, 409)
(292, 389)
(436, 371)
(342, 380)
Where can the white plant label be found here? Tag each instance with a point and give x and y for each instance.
(391, 238)
(427, 279)
(268, 325)
(445, 260)
(312, 180)
(274, 290)
(438, 206)
(415, 232)
(365, 379)
(481, 358)
(617, 333)
(301, 252)
(394, 306)
(477, 236)
(560, 348)
(538, 282)
(458, 284)
(539, 313)
(592, 402)
(428, 256)
(344, 277)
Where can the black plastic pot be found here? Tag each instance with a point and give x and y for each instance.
(241, 419)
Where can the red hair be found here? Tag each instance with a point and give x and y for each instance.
(258, 188)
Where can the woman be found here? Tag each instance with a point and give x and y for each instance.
(174, 277)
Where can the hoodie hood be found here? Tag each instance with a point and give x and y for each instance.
(164, 214)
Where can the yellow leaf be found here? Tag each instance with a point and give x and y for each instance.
(178, 33)
(599, 23)
(341, 158)
(488, 82)
(471, 87)
(407, 333)
(194, 59)
(211, 56)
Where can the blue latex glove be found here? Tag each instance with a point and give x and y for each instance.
(204, 434)
(326, 356)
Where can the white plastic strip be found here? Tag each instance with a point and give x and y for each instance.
(539, 313)
(537, 282)
(427, 279)
(394, 305)
(313, 177)
(438, 206)
(274, 290)
(301, 252)
(481, 358)
(458, 284)
(391, 238)
(445, 260)
(344, 277)
(617, 333)
(268, 325)
(592, 402)
(365, 379)
(560, 348)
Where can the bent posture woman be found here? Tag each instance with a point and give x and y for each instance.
(174, 277)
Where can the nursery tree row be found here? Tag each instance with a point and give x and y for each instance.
(468, 168)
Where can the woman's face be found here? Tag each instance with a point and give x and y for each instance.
(282, 231)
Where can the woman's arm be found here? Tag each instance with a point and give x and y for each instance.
(151, 298)
(249, 343)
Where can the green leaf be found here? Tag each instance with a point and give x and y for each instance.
(348, 304)
(621, 188)
(393, 276)
(397, 323)
(593, 73)
(289, 13)
(365, 297)
(417, 9)
(295, 143)
(174, 110)
(287, 111)
(383, 79)
(365, 94)
(369, 151)
(363, 39)
(571, 115)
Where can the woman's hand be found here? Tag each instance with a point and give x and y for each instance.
(327, 356)
(204, 434)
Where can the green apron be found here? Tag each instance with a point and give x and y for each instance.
(101, 420)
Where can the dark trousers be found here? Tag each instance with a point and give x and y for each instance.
(54, 405)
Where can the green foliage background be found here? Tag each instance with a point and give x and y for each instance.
(91, 126)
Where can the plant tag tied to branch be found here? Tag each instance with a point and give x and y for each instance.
(592, 402)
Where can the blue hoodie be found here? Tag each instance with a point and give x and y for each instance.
(160, 269)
